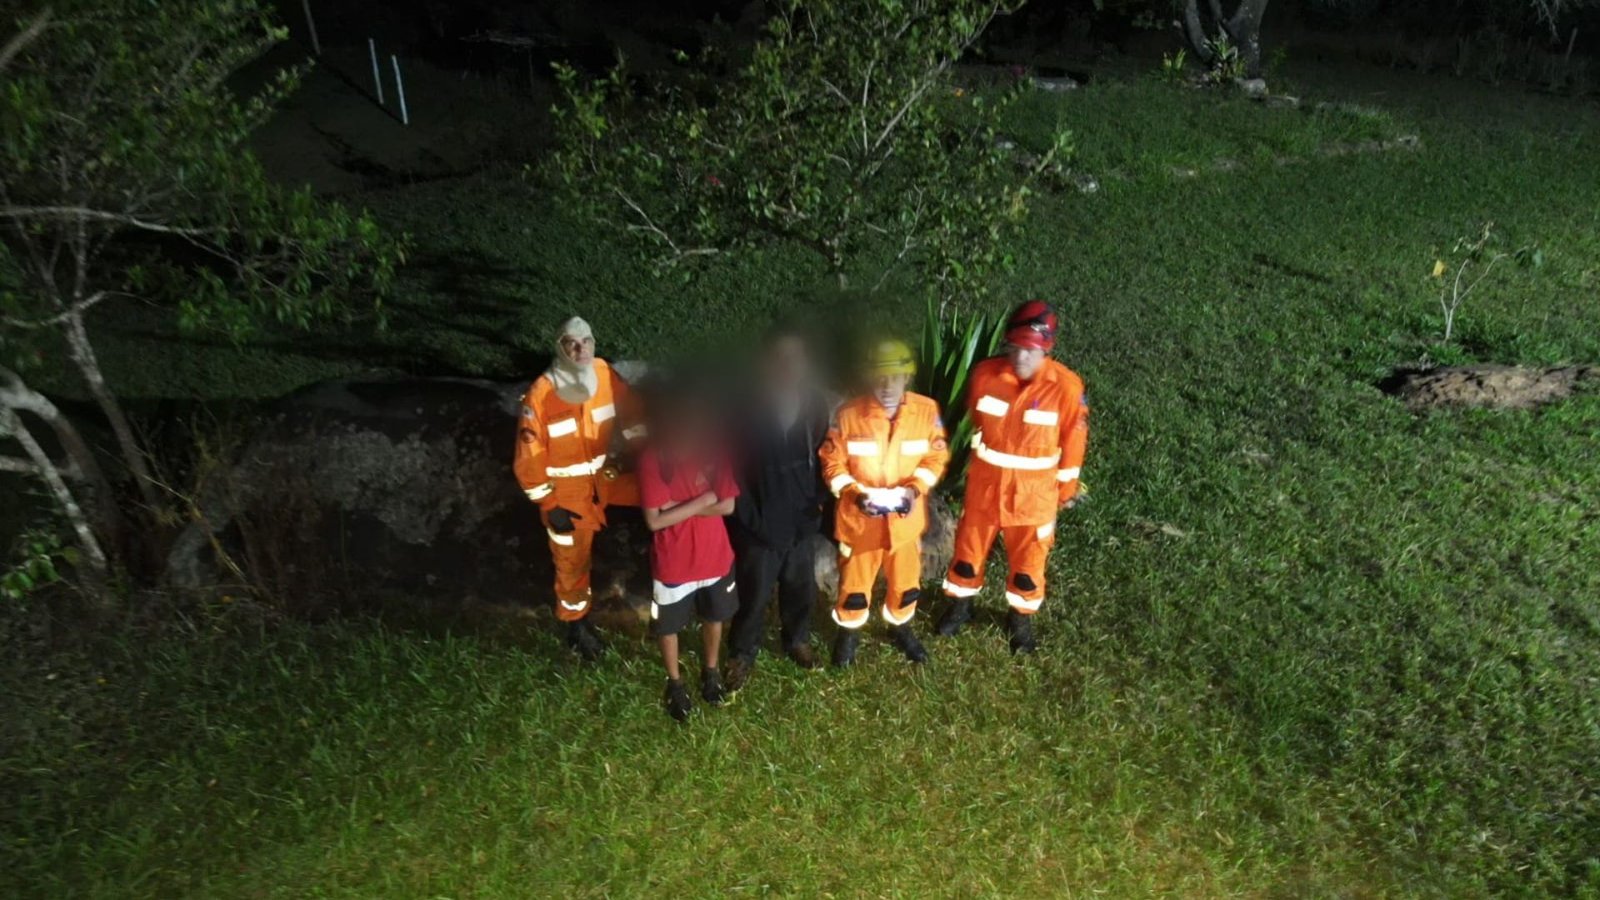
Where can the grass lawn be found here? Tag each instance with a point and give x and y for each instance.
(1299, 642)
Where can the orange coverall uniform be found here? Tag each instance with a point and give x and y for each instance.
(866, 449)
(564, 458)
(1027, 449)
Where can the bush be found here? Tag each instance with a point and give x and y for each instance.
(842, 133)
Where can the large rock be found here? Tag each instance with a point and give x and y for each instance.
(393, 491)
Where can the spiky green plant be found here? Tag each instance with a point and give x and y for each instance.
(951, 343)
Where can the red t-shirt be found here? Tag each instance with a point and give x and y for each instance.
(697, 548)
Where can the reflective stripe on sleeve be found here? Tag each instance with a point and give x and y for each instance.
(861, 448)
(540, 491)
(562, 428)
(926, 476)
(952, 589)
(580, 606)
(634, 433)
(1041, 417)
(844, 551)
(840, 482)
(565, 540)
(992, 406)
(1020, 602)
(1010, 460)
(1066, 475)
(577, 469)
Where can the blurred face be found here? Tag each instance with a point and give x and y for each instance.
(788, 365)
(579, 351)
(889, 389)
(1024, 361)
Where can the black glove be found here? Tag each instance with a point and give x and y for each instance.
(561, 520)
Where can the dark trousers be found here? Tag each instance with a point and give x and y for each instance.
(759, 569)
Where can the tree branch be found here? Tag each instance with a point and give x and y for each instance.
(83, 213)
(28, 35)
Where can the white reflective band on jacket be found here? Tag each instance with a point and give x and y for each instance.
(1018, 601)
(580, 606)
(952, 589)
(540, 491)
(635, 432)
(577, 469)
(840, 482)
(1011, 461)
(1065, 475)
(565, 540)
(926, 476)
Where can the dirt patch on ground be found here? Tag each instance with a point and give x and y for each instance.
(1485, 386)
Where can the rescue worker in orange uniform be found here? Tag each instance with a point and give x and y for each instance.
(1030, 427)
(578, 420)
(884, 452)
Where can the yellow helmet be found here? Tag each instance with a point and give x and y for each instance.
(890, 357)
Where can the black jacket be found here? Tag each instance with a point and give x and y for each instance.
(781, 495)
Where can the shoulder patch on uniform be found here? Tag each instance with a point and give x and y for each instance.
(526, 435)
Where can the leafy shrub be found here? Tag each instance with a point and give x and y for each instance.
(949, 345)
(842, 133)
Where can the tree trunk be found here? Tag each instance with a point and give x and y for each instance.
(89, 366)
(11, 425)
(1245, 29)
(15, 395)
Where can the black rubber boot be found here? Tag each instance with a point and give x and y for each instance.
(711, 690)
(1021, 629)
(956, 615)
(676, 700)
(844, 648)
(906, 640)
(582, 639)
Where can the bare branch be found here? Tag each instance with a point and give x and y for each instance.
(86, 214)
(28, 35)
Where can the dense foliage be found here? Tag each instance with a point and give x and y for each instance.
(124, 176)
(842, 133)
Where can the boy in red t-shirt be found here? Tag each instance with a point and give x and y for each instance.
(686, 486)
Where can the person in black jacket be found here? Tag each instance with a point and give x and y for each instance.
(778, 517)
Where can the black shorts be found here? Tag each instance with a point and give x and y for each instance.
(716, 602)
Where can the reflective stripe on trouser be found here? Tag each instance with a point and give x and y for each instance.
(858, 572)
(1027, 547)
(571, 553)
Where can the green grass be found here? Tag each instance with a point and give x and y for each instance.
(1363, 659)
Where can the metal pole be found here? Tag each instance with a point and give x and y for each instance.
(377, 77)
(400, 90)
(311, 24)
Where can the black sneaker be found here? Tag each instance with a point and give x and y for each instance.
(906, 640)
(711, 689)
(739, 672)
(844, 648)
(582, 639)
(1021, 628)
(676, 700)
(957, 614)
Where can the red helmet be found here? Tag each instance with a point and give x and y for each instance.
(1033, 326)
